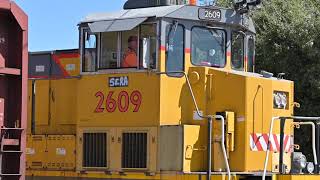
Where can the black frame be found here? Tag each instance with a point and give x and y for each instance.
(179, 75)
(253, 53)
(87, 30)
(243, 52)
(225, 45)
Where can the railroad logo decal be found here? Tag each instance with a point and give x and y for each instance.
(259, 142)
(122, 81)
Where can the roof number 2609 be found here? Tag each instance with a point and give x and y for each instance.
(210, 14)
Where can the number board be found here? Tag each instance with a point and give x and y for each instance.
(210, 14)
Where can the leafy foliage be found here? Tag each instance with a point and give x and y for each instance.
(287, 41)
(224, 3)
(288, 35)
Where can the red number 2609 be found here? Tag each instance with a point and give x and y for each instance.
(122, 102)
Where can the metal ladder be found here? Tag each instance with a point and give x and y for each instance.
(10, 153)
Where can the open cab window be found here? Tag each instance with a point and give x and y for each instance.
(208, 47)
(129, 49)
(89, 51)
(109, 51)
(148, 46)
(133, 49)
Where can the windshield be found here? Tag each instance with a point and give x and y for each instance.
(208, 47)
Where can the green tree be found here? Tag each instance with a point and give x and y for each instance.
(288, 35)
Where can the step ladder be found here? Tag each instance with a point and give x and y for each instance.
(10, 153)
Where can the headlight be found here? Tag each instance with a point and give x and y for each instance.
(276, 101)
(310, 167)
(299, 162)
(280, 100)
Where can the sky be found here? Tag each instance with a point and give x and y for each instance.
(53, 23)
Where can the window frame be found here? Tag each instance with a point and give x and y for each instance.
(251, 37)
(100, 52)
(158, 43)
(243, 52)
(99, 70)
(119, 48)
(225, 45)
(177, 75)
(82, 46)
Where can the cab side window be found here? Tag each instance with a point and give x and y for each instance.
(251, 54)
(89, 51)
(175, 48)
(108, 53)
(148, 46)
(135, 49)
(129, 47)
(237, 51)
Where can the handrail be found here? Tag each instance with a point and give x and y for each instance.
(209, 117)
(301, 118)
(314, 151)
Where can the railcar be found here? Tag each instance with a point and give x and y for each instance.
(161, 90)
(13, 90)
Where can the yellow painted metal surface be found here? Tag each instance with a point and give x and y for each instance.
(42, 102)
(36, 152)
(63, 105)
(61, 152)
(230, 121)
(94, 89)
(54, 152)
(193, 149)
(55, 106)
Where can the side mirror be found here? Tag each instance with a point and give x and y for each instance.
(146, 53)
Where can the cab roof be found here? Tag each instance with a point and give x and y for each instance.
(185, 12)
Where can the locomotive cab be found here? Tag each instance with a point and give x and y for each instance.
(105, 40)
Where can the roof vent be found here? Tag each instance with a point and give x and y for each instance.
(134, 4)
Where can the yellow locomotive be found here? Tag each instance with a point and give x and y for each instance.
(159, 91)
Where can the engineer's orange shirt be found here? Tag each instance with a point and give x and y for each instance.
(130, 59)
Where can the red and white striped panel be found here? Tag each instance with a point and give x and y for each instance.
(259, 142)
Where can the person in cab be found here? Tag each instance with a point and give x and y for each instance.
(130, 56)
